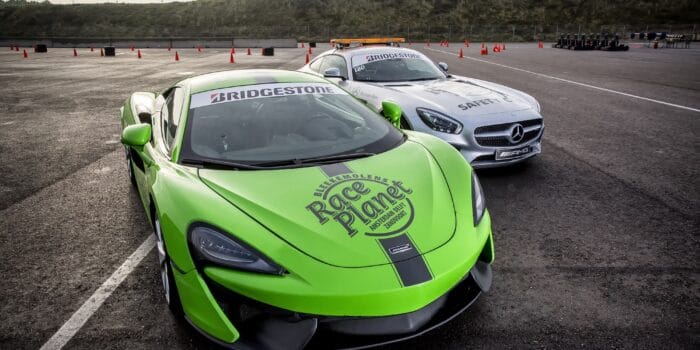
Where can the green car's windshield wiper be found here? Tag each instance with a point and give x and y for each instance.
(287, 163)
(313, 160)
(220, 164)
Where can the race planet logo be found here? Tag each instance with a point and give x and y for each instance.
(359, 202)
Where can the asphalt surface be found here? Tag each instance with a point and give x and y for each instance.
(597, 239)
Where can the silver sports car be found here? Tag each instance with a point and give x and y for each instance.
(490, 124)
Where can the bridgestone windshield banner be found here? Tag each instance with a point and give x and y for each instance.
(359, 60)
(249, 92)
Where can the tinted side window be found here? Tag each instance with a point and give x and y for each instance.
(335, 61)
(170, 116)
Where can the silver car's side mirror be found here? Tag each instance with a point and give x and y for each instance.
(443, 66)
(332, 72)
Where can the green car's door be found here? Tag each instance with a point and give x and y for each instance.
(165, 123)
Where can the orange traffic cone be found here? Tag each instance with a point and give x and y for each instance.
(540, 45)
(25, 53)
(75, 52)
(233, 50)
(102, 53)
(302, 44)
(249, 52)
(177, 57)
(132, 47)
(466, 43)
(461, 53)
(92, 49)
(307, 58)
(231, 60)
(168, 48)
(139, 54)
(484, 51)
(447, 43)
(17, 48)
(504, 47)
(310, 52)
(199, 49)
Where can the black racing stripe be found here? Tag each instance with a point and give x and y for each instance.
(408, 262)
(335, 169)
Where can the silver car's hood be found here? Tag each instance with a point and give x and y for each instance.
(462, 97)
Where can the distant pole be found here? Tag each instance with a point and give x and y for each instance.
(555, 38)
(408, 32)
(471, 26)
(449, 32)
(429, 33)
(513, 37)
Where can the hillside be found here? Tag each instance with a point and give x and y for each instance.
(319, 19)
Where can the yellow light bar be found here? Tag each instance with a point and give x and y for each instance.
(367, 41)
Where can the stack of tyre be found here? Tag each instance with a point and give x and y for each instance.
(592, 41)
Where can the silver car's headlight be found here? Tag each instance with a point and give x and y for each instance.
(439, 122)
(478, 200)
(219, 248)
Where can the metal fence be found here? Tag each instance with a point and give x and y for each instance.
(413, 33)
(478, 33)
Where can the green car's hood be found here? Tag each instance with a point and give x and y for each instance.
(338, 213)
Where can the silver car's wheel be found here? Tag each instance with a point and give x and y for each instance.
(166, 274)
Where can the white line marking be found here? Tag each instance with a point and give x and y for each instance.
(73, 325)
(573, 82)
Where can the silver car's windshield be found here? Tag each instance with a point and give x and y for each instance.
(394, 66)
(281, 122)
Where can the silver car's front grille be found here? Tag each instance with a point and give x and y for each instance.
(501, 135)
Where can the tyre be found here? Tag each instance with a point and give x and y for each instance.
(110, 51)
(166, 273)
(130, 167)
(268, 51)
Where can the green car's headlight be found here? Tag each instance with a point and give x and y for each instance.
(478, 199)
(439, 122)
(219, 248)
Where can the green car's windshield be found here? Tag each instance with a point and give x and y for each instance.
(394, 66)
(278, 122)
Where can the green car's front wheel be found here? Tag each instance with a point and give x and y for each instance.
(166, 273)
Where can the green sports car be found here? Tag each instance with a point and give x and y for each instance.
(288, 214)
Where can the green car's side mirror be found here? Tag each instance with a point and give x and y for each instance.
(392, 112)
(136, 135)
